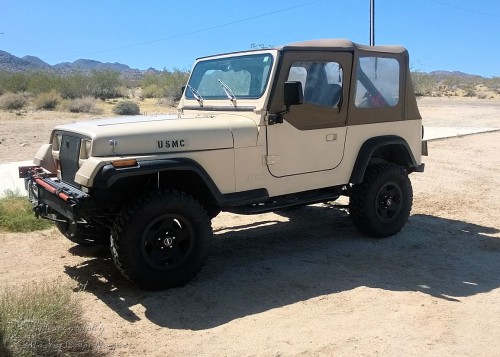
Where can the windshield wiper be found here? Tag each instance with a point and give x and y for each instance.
(196, 95)
(228, 92)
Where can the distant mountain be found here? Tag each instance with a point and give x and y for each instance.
(36, 61)
(11, 63)
(86, 65)
(441, 75)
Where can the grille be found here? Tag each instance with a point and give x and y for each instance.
(69, 155)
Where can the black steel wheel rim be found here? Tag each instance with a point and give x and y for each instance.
(389, 202)
(167, 242)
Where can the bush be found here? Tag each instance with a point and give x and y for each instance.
(15, 82)
(105, 84)
(164, 84)
(423, 83)
(126, 107)
(166, 102)
(86, 104)
(151, 91)
(493, 84)
(47, 101)
(43, 319)
(13, 101)
(74, 86)
(16, 214)
(41, 82)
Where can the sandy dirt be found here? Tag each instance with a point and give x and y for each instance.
(305, 282)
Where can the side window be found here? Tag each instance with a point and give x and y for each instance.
(321, 82)
(377, 82)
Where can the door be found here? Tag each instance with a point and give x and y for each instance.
(312, 135)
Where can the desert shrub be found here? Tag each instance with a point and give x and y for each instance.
(13, 101)
(15, 82)
(16, 214)
(3, 80)
(42, 82)
(469, 88)
(126, 107)
(493, 83)
(86, 104)
(151, 91)
(423, 83)
(43, 319)
(165, 84)
(105, 84)
(166, 102)
(47, 100)
(74, 86)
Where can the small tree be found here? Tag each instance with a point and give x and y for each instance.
(74, 86)
(105, 84)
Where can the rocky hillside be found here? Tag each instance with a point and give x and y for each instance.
(11, 63)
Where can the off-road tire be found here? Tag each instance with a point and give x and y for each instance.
(381, 204)
(161, 240)
(86, 234)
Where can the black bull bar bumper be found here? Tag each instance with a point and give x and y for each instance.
(50, 196)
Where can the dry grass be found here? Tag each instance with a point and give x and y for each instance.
(82, 105)
(13, 101)
(43, 319)
(16, 215)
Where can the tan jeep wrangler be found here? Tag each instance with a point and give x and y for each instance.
(255, 131)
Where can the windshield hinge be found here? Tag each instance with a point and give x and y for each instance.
(275, 119)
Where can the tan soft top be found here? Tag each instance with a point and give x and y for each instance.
(341, 45)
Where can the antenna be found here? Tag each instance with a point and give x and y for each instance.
(372, 22)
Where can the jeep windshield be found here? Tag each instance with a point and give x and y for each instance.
(238, 77)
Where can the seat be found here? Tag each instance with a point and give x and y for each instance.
(328, 95)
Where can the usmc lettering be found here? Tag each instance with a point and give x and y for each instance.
(172, 144)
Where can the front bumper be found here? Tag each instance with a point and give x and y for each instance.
(51, 197)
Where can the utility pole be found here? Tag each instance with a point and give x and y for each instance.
(372, 22)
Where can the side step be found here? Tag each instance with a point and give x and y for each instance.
(288, 202)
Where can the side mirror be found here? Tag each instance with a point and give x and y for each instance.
(293, 94)
(183, 89)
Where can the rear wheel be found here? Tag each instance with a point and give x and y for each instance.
(381, 204)
(161, 240)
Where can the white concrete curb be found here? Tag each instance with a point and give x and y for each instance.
(437, 133)
(9, 177)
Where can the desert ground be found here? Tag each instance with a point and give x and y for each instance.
(304, 281)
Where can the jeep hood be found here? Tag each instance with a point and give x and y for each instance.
(139, 135)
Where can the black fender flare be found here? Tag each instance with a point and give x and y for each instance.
(108, 175)
(371, 145)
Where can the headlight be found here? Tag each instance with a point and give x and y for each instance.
(56, 142)
(85, 149)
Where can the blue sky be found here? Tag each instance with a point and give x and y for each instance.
(440, 34)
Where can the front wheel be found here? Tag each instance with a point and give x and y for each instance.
(161, 240)
(381, 204)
